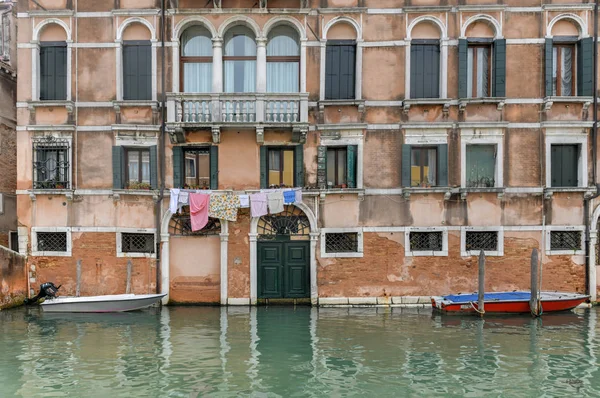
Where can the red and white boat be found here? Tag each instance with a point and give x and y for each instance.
(507, 302)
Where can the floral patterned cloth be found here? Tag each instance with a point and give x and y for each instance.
(224, 207)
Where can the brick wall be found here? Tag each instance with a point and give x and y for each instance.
(238, 260)
(385, 271)
(101, 271)
(13, 278)
(8, 159)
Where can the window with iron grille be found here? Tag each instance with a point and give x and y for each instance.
(346, 242)
(51, 241)
(426, 241)
(181, 225)
(565, 240)
(481, 240)
(137, 243)
(51, 163)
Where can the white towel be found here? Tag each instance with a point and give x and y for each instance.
(174, 200)
(244, 201)
(275, 200)
(184, 199)
(298, 195)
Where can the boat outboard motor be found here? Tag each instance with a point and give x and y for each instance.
(47, 289)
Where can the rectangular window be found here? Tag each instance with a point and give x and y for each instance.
(479, 71)
(341, 242)
(564, 160)
(426, 241)
(137, 243)
(51, 241)
(481, 166)
(337, 167)
(53, 71)
(340, 65)
(425, 69)
(563, 70)
(197, 168)
(13, 241)
(423, 167)
(138, 168)
(565, 240)
(280, 165)
(481, 240)
(137, 70)
(51, 164)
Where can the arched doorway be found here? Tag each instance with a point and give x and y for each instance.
(283, 255)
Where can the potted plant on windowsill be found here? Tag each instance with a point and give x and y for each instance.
(139, 186)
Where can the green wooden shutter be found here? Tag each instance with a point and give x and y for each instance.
(299, 165)
(214, 167)
(46, 69)
(348, 64)
(406, 165)
(117, 165)
(585, 66)
(130, 64)
(548, 55)
(425, 71)
(153, 167)
(332, 72)
(53, 72)
(555, 166)
(499, 77)
(322, 167)
(351, 155)
(416, 72)
(442, 157)
(177, 167)
(263, 167)
(463, 49)
(564, 165)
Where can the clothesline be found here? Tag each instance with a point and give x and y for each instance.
(204, 204)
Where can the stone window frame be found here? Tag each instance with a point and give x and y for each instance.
(56, 133)
(463, 241)
(482, 136)
(548, 249)
(346, 140)
(426, 253)
(34, 242)
(573, 136)
(119, 233)
(357, 230)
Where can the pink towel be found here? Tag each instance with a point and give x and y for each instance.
(199, 210)
(258, 204)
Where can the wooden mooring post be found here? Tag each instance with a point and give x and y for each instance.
(480, 297)
(534, 304)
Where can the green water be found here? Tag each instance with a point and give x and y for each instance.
(277, 351)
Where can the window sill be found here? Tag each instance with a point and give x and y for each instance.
(343, 255)
(153, 104)
(549, 101)
(135, 192)
(50, 254)
(349, 102)
(445, 102)
(426, 253)
(586, 191)
(498, 101)
(33, 193)
(497, 190)
(51, 103)
(565, 252)
(475, 253)
(136, 255)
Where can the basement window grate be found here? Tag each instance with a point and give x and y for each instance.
(52, 241)
(137, 243)
(565, 240)
(341, 242)
(426, 241)
(481, 240)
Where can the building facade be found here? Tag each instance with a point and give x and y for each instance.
(8, 124)
(420, 132)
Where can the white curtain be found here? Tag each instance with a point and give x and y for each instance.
(146, 167)
(240, 75)
(566, 61)
(432, 169)
(482, 72)
(196, 42)
(470, 73)
(283, 77)
(197, 77)
(133, 159)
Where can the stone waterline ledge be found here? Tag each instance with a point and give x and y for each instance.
(397, 301)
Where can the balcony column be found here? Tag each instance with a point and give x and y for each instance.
(261, 65)
(176, 75)
(217, 78)
(303, 66)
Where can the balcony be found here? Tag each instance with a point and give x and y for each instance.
(237, 109)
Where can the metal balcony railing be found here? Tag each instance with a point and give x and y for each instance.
(237, 108)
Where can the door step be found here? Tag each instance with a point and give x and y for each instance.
(284, 301)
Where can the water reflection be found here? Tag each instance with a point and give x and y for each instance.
(277, 351)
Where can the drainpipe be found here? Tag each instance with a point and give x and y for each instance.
(586, 202)
(161, 148)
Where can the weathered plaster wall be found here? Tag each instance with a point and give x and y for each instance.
(13, 278)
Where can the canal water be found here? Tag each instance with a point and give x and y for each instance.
(301, 352)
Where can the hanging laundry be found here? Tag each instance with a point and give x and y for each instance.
(174, 200)
(183, 199)
(258, 205)
(289, 197)
(198, 210)
(244, 201)
(224, 207)
(298, 192)
(275, 200)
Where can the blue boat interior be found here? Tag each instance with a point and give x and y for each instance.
(504, 296)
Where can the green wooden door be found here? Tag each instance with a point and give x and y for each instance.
(283, 270)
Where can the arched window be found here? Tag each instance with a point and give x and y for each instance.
(283, 61)
(196, 60)
(569, 58)
(137, 63)
(425, 61)
(340, 64)
(53, 63)
(239, 60)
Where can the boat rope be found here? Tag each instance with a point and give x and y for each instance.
(476, 309)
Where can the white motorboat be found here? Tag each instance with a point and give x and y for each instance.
(108, 303)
